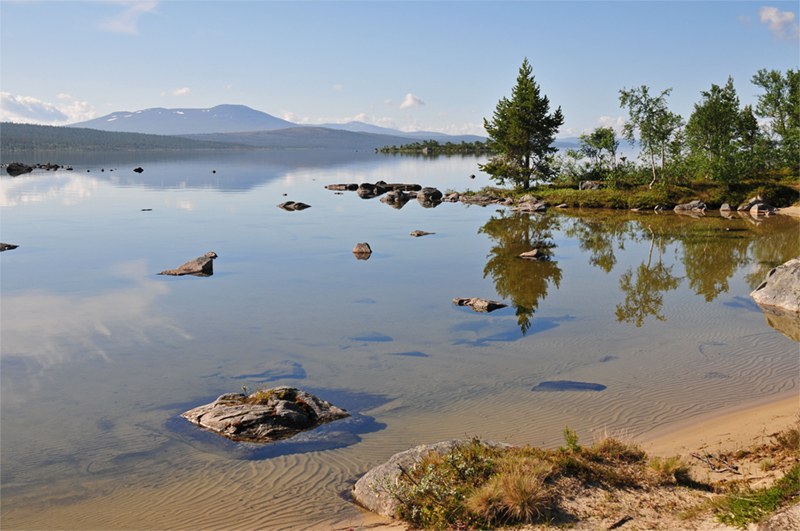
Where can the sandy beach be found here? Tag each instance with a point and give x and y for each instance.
(731, 430)
(790, 211)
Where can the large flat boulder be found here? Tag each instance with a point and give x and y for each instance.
(781, 287)
(264, 416)
(199, 267)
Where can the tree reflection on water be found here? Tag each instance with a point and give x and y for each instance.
(524, 282)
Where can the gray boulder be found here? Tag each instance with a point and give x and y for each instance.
(725, 207)
(429, 196)
(750, 203)
(342, 187)
(590, 185)
(536, 254)
(199, 267)
(264, 416)
(694, 206)
(374, 490)
(761, 208)
(781, 287)
(7, 246)
(418, 233)
(368, 190)
(480, 305)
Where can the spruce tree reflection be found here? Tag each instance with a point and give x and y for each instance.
(598, 235)
(524, 282)
(644, 288)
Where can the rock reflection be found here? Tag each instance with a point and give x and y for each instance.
(524, 282)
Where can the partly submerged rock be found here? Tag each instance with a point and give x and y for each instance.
(374, 490)
(781, 287)
(429, 196)
(418, 233)
(17, 168)
(138, 170)
(7, 246)
(199, 267)
(568, 385)
(292, 206)
(362, 251)
(480, 305)
(536, 254)
(784, 321)
(342, 187)
(264, 416)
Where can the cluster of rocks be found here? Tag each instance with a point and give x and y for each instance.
(18, 168)
(264, 416)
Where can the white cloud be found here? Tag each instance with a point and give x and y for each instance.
(289, 116)
(29, 110)
(781, 23)
(185, 91)
(388, 101)
(338, 86)
(411, 101)
(608, 121)
(128, 21)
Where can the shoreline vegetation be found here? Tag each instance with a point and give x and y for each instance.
(432, 147)
(614, 480)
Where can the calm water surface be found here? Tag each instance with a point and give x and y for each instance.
(100, 354)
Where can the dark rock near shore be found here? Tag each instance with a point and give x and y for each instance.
(373, 490)
(397, 198)
(368, 191)
(781, 287)
(138, 170)
(480, 305)
(429, 197)
(17, 168)
(342, 187)
(264, 416)
(199, 267)
(7, 246)
(292, 206)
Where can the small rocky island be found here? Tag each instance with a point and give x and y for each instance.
(264, 416)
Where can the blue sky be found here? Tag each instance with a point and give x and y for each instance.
(435, 66)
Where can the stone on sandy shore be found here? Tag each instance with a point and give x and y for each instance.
(695, 206)
(373, 490)
(201, 267)
(480, 305)
(781, 287)
(264, 416)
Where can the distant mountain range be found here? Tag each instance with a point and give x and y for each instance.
(242, 119)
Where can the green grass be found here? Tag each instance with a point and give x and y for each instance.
(745, 506)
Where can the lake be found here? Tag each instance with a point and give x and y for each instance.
(634, 321)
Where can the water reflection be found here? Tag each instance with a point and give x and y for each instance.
(644, 288)
(524, 282)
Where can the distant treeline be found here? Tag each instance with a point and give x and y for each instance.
(432, 146)
(26, 137)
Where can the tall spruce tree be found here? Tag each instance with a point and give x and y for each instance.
(522, 131)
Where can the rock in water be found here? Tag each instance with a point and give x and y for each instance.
(264, 416)
(694, 206)
(362, 251)
(781, 288)
(418, 233)
(199, 267)
(480, 305)
(292, 206)
(18, 168)
(7, 246)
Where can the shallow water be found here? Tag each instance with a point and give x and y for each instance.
(636, 321)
